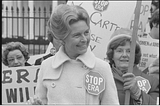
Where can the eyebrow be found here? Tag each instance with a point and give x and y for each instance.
(84, 31)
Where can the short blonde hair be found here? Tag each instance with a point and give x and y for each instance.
(63, 16)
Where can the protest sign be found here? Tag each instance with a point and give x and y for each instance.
(149, 46)
(18, 84)
(150, 51)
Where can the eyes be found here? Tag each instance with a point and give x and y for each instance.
(86, 33)
(12, 58)
(122, 50)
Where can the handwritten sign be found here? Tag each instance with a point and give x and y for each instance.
(150, 51)
(149, 46)
(18, 84)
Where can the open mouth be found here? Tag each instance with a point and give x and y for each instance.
(124, 60)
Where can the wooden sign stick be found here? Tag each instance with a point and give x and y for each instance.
(133, 45)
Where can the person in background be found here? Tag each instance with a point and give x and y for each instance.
(74, 75)
(154, 33)
(118, 53)
(56, 45)
(154, 6)
(15, 54)
(153, 68)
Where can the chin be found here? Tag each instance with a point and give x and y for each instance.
(83, 51)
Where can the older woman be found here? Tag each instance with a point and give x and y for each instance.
(15, 54)
(118, 54)
(74, 75)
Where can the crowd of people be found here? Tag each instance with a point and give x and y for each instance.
(70, 63)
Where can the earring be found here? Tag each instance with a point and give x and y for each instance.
(53, 50)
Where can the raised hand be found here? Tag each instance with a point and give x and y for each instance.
(130, 83)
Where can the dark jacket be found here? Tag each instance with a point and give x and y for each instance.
(147, 99)
(39, 61)
(27, 64)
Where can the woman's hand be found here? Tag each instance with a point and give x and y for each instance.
(130, 83)
(34, 101)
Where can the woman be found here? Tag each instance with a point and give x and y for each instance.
(74, 75)
(118, 53)
(15, 54)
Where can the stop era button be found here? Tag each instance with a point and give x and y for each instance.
(94, 83)
(143, 84)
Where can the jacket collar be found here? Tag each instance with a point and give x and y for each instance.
(87, 58)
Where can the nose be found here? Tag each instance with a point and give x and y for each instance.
(83, 39)
(15, 61)
(124, 54)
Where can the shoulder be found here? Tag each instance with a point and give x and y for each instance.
(103, 67)
(102, 64)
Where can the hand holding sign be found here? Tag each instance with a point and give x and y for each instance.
(130, 83)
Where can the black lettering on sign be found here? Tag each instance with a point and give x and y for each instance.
(35, 80)
(27, 93)
(22, 76)
(144, 9)
(142, 64)
(34, 89)
(95, 38)
(11, 95)
(7, 79)
(92, 47)
(140, 26)
(21, 94)
(96, 19)
(145, 54)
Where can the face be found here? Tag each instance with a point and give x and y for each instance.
(15, 58)
(121, 57)
(78, 40)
